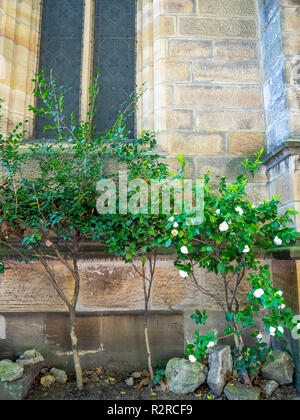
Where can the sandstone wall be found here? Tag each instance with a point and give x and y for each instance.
(19, 42)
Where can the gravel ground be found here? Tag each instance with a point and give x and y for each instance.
(99, 388)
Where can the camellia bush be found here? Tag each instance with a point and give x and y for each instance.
(226, 244)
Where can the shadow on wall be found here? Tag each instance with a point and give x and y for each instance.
(114, 340)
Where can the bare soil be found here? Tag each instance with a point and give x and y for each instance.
(98, 387)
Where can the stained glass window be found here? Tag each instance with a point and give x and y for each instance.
(114, 57)
(60, 51)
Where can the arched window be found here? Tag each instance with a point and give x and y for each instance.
(79, 37)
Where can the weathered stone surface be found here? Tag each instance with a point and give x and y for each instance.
(219, 96)
(226, 28)
(10, 371)
(246, 72)
(190, 49)
(17, 390)
(30, 357)
(245, 143)
(227, 7)
(270, 388)
(281, 370)
(230, 121)
(183, 376)
(60, 375)
(220, 367)
(237, 392)
(236, 50)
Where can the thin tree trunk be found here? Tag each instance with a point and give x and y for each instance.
(148, 348)
(74, 341)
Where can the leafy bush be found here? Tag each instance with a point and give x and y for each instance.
(48, 213)
(226, 244)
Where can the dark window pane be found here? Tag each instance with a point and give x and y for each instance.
(61, 45)
(114, 57)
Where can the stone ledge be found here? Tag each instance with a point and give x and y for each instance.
(289, 147)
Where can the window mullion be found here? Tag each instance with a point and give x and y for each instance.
(87, 56)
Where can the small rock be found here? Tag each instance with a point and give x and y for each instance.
(29, 358)
(281, 370)
(59, 375)
(136, 375)
(220, 368)
(47, 381)
(18, 389)
(184, 377)
(129, 382)
(238, 392)
(270, 388)
(44, 371)
(10, 371)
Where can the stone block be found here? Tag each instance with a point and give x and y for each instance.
(219, 96)
(189, 49)
(178, 6)
(18, 390)
(245, 143)
(173, 71)
(235, 50)
(177, 119)
(230, 121)
(184, 377)
(227, 8)
(226, 28)
(164, 26)
(246, 72)
(238, 392)
(196, 144)
(281, 369)
(290, 18)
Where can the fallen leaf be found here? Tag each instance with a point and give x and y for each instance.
(99, 370)
(144, 382)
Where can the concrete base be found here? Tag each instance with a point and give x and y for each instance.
(114, 340)
(18, 390)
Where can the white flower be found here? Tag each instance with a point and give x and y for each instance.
(277, 241)
(183, 274)
(174, 232)
(280, 293)
(184, 250)
(273, 331)
(218, 211)
(175, 225)
(258, 293)
(298, 326)
(192, 358)
(246, 249)
(281, 306)
(211, 344)
(223, 227)
(280, 329)
(239, 210)
(171, 219)
(259, 336)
